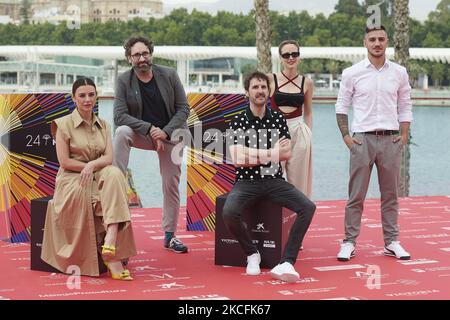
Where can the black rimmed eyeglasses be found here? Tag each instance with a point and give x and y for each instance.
(138, 55)
(286, 55)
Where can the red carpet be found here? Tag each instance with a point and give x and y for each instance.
(159, 274)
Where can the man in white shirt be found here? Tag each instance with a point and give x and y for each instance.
(380, 94)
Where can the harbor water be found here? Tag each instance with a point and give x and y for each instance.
(429, 162)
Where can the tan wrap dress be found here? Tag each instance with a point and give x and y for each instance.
(77, 216)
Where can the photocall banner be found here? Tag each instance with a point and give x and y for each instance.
(208, 173)
(28, 162)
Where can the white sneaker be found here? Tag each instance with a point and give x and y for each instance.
(347, 251)
(394, 249)
(253, 262)
(285, 272)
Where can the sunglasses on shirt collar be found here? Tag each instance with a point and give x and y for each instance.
(286, 55)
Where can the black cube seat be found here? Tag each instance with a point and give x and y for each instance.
(38, 214)
(269, 226)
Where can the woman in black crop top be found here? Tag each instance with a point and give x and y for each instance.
(291, 94)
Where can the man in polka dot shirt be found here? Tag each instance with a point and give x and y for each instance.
(258, 140)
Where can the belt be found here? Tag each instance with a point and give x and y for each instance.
(382, 132)
(294, 114)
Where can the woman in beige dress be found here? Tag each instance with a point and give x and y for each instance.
(88, 219)
(291, 94)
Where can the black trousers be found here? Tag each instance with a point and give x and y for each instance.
(247, 192)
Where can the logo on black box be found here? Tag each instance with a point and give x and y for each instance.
(260, 228)
(229, 241)
(269, 244)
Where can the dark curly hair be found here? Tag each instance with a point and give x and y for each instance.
(253, 75)
(135, 39)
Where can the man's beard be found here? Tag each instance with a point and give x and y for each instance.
(144, 67)
(256, 103)
(378, 54)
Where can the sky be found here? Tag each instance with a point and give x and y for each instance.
(419, 9)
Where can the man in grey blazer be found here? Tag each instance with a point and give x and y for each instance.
(149, 105)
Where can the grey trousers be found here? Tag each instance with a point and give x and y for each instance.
(124, 139)
(386, 155)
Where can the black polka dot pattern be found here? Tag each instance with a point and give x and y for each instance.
(253, 132)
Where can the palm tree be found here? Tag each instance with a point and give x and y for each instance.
(401, 35)
(24, 11)
(401, 47)
(263, 36)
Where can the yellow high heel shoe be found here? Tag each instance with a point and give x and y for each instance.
(125, 275)
(108, 251)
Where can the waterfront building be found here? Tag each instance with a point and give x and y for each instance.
(81, 11)
(201, 69)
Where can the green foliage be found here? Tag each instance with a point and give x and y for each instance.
(417, 33)
(438, 73)
(432, 40)
(312, 41)
(322, 66)
(350, 8)
(164, 62)
(219, 36)
(344, 27)
(414, 70)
